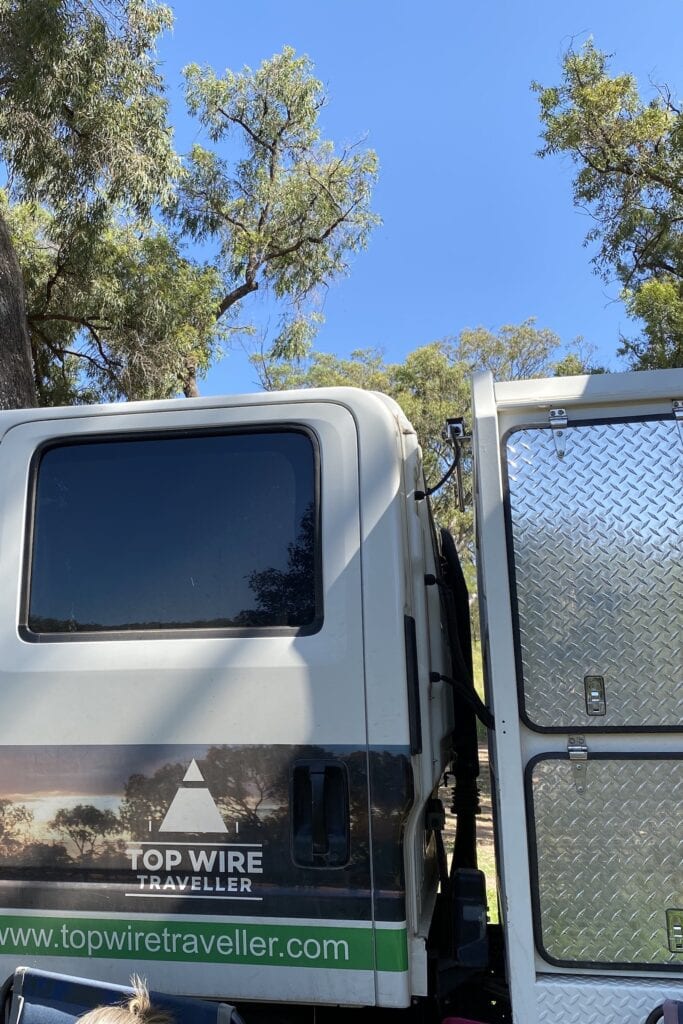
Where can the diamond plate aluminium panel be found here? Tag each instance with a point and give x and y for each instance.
(606, 862)
(596, 541)
(600, 1000)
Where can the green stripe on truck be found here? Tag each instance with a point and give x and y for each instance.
(280, 945)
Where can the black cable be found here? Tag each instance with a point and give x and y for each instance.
(447, 475)
(468, 695)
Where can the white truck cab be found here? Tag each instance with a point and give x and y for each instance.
(215, 642)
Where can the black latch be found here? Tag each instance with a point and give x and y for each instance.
(320, 814)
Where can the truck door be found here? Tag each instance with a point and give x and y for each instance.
(588, 707)
(183, 758)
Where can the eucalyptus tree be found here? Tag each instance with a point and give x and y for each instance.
(84, 136)
(628, 152)
(102, 294)
(288, 213)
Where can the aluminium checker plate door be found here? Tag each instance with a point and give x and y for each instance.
(597, 575)
(595, 526)
(606, 860)
(183, 760)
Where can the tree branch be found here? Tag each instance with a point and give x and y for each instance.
(235, 295)
(312, 239)
(103, 367)
(243, 124)
(641, 253)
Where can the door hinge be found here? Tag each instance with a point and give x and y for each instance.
(578, 755)
(558, 424)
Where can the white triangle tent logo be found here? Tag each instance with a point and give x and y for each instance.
(193, 809)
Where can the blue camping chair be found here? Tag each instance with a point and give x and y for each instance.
(41, 997)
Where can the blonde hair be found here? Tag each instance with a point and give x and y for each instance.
(137, 1010)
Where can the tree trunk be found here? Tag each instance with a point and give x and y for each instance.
(17, 383)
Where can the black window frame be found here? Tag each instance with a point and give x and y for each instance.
(64, 441)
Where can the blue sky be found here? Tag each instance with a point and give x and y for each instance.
(476, 229)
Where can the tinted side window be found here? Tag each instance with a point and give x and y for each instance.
(203, 531)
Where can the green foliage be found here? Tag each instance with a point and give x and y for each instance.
(83, 132)
(514, 352)
(101, 209)
(365, 368)
(288, 213)
(629, 155)
(113, 312)
(659, 304)
(82, 115)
